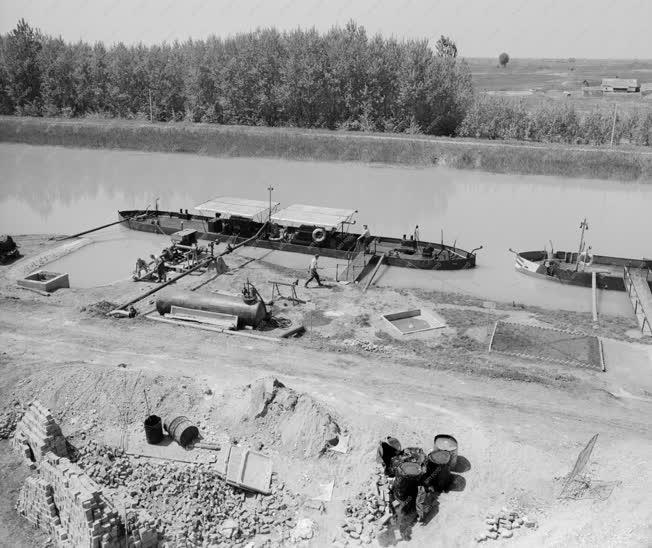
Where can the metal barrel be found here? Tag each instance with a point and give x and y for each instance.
(446, 442)
(181, 429)
(407, 478)
(438, 469)
(153, 429)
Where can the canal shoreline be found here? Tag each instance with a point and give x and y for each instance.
(630, 164)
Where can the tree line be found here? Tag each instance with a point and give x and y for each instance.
(341, 79)
(494, 118)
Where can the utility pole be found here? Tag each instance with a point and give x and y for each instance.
(584, 226)
(150, 104)
(613, 125)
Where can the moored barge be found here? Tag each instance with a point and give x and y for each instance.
(298, 229)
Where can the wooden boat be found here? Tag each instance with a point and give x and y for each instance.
(577, 268)
(298, 229)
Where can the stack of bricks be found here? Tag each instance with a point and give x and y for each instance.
(69, 505)
(37, 433)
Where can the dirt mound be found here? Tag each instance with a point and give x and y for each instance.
(280, 417)
(84, 398)
(100, 308)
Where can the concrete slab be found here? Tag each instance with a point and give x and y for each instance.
(414, 321)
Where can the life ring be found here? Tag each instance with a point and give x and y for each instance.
(318, 235)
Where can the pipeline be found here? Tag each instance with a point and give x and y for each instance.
(104, 226)
(199, 265)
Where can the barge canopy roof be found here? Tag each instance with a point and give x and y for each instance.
(256, 210)
(325, 217)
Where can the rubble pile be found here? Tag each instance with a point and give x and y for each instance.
(366, 346)
(63, 501)
(368, 510)
(37, 433)
(192, 503)
(503, 524)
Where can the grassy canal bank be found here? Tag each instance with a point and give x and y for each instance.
(618, 163)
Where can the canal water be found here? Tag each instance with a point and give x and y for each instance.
(64, 190)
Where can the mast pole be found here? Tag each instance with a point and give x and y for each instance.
(584, 226)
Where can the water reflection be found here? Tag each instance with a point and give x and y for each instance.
(59, 190)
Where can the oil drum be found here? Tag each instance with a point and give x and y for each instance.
(438, 470)
(153, 429)
(181, 429)
(446, 442)
(406, 482)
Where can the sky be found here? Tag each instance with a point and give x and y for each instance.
(594, 29)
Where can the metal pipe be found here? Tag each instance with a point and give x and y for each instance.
(104, 226)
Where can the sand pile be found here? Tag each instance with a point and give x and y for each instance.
(269, 414)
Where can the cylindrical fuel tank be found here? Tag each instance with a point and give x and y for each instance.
(248, 314)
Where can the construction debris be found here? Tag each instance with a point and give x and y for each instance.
(368, 511)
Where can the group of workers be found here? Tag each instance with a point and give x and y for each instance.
(155, 264)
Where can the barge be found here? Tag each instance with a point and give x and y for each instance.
(580, 267)
(569, 268)
(299, 229)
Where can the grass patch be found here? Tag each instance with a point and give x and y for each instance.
(620, 163)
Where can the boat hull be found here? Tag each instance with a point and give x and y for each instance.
(608, 270)
(168, 223)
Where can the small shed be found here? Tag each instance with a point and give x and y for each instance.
(623, 85)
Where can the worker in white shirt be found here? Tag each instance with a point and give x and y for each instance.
(365, 237)
(312, 270)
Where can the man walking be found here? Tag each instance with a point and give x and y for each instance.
(312, 269)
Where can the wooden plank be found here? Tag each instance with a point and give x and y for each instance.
(640, 295)
(373, 274)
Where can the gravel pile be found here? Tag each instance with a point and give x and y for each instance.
(504, 524)
(193, 505)
(366, 346)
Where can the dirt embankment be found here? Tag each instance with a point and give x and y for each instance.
(620, 163)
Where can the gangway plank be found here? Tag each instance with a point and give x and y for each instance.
(640, 295)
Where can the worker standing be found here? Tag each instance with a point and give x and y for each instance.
(365, 237)
(312, 270)
(160, 270)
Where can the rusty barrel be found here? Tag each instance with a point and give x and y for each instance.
(181, 429)
(153, 429)
(446, 442)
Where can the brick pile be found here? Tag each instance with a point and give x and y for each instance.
(67, 504)
(368, 511)
(37, 433)
(192, 503)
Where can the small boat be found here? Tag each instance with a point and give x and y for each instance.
(299, 229)
(578, 267)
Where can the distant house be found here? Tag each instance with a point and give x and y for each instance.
(623, 85)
